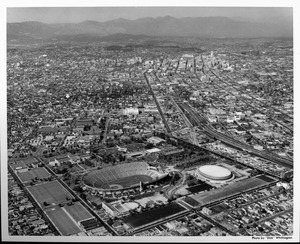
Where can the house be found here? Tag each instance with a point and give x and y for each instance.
(155, 140)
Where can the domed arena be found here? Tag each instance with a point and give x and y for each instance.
(215, 172)
(122, 176)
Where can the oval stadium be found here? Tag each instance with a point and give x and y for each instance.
(122, 176)
(215, 172)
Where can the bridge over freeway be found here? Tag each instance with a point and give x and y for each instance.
(199, 120)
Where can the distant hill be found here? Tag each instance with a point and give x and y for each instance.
(208, 27)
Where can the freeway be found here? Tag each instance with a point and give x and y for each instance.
(199, 120)
(158, 106)
(187, 122)
(193, 135)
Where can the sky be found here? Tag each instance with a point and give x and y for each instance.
(101, 14)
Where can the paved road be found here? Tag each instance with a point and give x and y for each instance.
(289, 130)
(106, 128)
(193, 133)
(171, 191)
(108, 227)
(197, 119)
(215, 223)
(254, 98)
(158, 222)
(158, 106)
(267, 218)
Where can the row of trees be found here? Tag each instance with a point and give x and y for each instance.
(197, 161)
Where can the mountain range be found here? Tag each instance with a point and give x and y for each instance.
(206, 27)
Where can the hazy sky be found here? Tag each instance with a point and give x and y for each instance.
(79, 14)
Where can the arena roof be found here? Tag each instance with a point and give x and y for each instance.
(215, 172)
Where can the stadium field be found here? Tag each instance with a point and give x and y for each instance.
(131, 180)
(217, 194)
(62, 221)
(40, 173)
(50, 192)
(121, 176)
(78, 212)
(153, 215)
(124, 182)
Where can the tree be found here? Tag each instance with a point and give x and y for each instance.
(191, 182)
(83, 195)
(78, 189)
(189, 177)
(170, 199)
(149, 146)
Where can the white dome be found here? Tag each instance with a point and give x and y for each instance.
(215, 172)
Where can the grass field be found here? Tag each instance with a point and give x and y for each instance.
(25, 176)
(153, 215)
(51, 192)
(62, 221)
(78, 212)
(214, 195)
(18, 165)
(131, 180)
(41, 173)
(29, 160)
(23, 163)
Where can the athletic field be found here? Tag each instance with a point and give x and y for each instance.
(121, 176)
(40, 173)
(50, 192)
(62, 221)
(78, 212)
